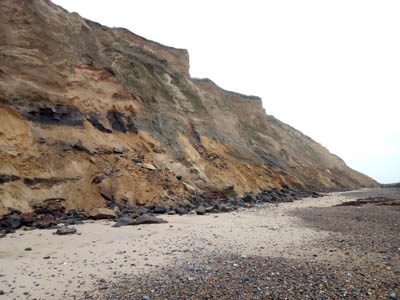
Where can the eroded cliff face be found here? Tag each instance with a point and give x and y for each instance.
(90, 114)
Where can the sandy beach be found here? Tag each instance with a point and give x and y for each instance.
(37, 264)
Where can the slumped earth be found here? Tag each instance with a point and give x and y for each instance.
(314, 248)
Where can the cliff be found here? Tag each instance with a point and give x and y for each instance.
(91, 114)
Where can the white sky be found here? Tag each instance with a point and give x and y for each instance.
(329, 68)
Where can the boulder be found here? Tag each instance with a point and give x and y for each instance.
(201, 210)
(249, 198)
(160, 209)
(102, 213)
(146, 219)
(65, 230)
(124, 221)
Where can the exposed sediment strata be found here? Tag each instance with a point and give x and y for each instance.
(80, 101)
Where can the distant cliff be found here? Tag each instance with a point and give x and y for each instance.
(91, 114)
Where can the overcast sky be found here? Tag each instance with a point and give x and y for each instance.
(329, 68)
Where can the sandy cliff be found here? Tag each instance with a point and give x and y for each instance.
(91, 114)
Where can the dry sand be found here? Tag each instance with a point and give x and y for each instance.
(77, 263)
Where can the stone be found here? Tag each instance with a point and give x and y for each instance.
(117, 150)
(249, 198)
(45, 222)
(201, 210)
(102, 213)
(141, 210)
(146, 219)
(124, 221)
(149, 166)
(65, 230)
(159, 209)
(393, 296)
(28, 249)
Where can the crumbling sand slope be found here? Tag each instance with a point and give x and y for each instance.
(91, 114)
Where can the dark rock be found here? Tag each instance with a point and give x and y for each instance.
(27, 219)
(146, 219)
(393, 296)
(60, 115)
(160, 209)
(222, 208)
(201, 210)
(249, 198)
(209, 209)
(172, 212)
(65, 230)
(94, 120)
(28, 249)
(46, 257)
(45, 222)
(73, 222)
(179, 177)
(4, 178)
(141, 210)
(124, 221)
(121, 122)
(14, 221)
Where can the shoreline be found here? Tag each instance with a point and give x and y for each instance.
(68, 266)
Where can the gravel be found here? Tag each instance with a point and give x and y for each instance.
(359, 259)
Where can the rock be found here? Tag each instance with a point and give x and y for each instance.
(65, 230)
(249, 198)
(14, 221)
(46, 257)
(102, 213)
(209, 209)
(222, 208)
(393, 296)
(149, 166)
(2, 292)
(124, 221)
(118, 150)
(146, 219)
(160, 209)
(45, 222)
(2, 234)
(145, 298)
(28, 249)
(172, 212)
(200, 210)
(179, 177)
(141, 210)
